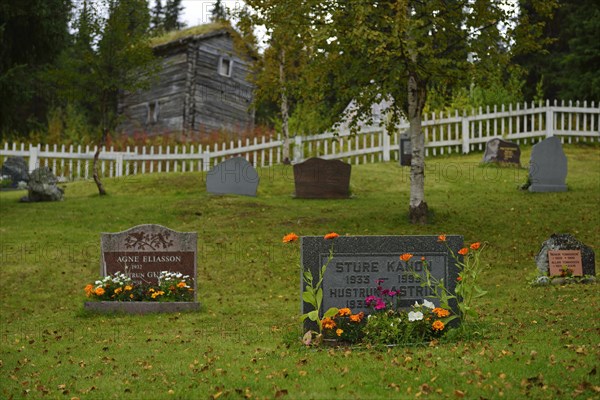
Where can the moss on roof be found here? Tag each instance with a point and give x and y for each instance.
(192, 31)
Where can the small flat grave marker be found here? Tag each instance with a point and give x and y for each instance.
(233, 176)
(570, 259)
(316, 178)
(360, 261)
(502, 152)
(564, 249)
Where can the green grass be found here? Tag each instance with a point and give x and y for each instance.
(541, 343)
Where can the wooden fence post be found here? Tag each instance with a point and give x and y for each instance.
(549, 119)
(466, 143)
(34, 152)
(298, 149)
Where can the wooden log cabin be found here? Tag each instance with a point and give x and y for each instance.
(203, 86)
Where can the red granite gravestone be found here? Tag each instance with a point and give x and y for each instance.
(142, 253)
(316, 178)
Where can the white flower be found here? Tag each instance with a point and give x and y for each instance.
(415, 316)
(417, 304)
(98, 283)
(428, 304)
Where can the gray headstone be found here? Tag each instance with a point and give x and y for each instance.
(360, 261)
(42, 186)
(548, 166)
(16, 169)
(502, 152)
(566, 242)
(233, 176)
(143, 251)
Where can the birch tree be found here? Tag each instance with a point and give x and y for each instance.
(396, 50)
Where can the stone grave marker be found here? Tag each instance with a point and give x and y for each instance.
(42, 186)
(565, 250)
(142, 252)
(502, 152)
(17, 169)
(317, 178)
(405, 149)
(233, 176)
(360, 261)
(548, 166)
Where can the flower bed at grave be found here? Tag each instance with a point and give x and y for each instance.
(388, 324)
(171, 287)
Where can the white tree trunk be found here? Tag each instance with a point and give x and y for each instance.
(416, 101)
(284, 110)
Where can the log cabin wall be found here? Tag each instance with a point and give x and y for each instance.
(202, 87)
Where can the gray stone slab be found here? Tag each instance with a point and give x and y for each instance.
(143, 251)
(548, 166)
(502, 152)
(140, 307)
(233, 176)
(360, 261)
(565, 241)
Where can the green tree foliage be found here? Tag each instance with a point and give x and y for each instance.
(218, 13)
(157, 18)
(108, 55)
(171, 21)
(32, 35)
(393, 50)
(568, 68)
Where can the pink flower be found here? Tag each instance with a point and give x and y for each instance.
(380, 304)
(370, 299)
(392, 293)
(385, 292)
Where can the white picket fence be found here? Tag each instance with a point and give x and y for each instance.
(444, 134)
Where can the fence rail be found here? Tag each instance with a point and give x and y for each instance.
(444, 134)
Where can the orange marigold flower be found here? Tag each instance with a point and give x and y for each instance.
(328, 323)
(437, 325)
(441, 312)
(442, 238)
(331, 235)
(344, 311)
(99, 291)
(181, 285)
(339, 332)
(357, 317)
(422, 258)
(463, 251)
(88, 290)
(290, 237)
(406, 256)
(459, 279)
(118, 290)
(131, 296)
(475, 246)
(128, 287)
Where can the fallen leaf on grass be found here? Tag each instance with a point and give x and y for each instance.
(459, 393)
(281, 393)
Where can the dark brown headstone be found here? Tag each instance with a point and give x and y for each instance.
(316, 178)
(502, 152)
(143, 251)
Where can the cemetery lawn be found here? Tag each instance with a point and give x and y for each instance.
(530, 342)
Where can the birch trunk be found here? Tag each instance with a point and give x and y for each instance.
(416, 101)
(284, 110)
